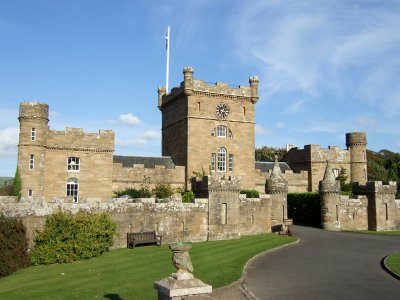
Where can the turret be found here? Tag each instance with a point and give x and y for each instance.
(329, 191)
(356, 143)
(188, 80)
(253, 80)
(277, 187)
(33, 119)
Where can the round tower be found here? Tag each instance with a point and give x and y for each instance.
(329, 191)
(33, 120)
(356, 143)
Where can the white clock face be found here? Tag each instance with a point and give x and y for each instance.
(222, 110)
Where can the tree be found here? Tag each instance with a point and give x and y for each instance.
(266, 153)
(17, 184)
(344, 185)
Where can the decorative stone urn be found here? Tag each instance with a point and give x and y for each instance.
(181, 260)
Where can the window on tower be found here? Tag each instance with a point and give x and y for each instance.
(32, 162)
(73, 164)
(33, 134)
(213, 159)
(73, 189)
(221, 163)
(221, 131)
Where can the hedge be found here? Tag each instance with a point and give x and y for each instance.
(13, 245)
(66, 238)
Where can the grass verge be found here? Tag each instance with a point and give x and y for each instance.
(129, 274)
(393, 262)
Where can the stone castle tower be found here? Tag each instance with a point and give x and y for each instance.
(356, 143)
(209, 128)
(33, 119)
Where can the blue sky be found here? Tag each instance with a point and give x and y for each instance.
(325, 67)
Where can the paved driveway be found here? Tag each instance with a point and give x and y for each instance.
(326, 265)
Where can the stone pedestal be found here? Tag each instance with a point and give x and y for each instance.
(174, 289)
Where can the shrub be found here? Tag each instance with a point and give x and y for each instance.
(188, 197)
(66, 238)
(163, 190)
(251, 193)
(304, 208)
(134, 193)
(13, 245)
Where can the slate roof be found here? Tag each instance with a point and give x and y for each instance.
(265, 166)
(148, 162)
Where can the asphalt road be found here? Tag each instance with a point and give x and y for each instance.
(326, 265)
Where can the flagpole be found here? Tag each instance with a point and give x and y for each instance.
(166, 80)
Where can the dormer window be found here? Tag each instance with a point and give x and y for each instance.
(73, 164)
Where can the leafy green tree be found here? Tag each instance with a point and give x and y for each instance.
(17, 184)
(344, 185)
(266, 153)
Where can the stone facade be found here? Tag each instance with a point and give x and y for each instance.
(210, 128)
(374, 208)
(312, 159)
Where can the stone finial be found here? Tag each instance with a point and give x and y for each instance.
(329, 184)
(276, 183)
(329, 175)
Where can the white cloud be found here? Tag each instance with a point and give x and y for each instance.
(280, 125)
(53, 114)
(140, 140)
(129, 119)
(294, 108)
(9, 141)
(261, 130)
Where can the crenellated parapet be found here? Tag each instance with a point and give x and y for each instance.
(190, 86)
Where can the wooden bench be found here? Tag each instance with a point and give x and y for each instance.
(145, 237)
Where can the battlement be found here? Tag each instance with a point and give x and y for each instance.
(189, 86)
(376, 187)
(356, 138)
(77, 139)
(34, 110)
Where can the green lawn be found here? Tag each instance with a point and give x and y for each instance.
(129, 274)
(393, 262)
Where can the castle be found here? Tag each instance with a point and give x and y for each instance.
(206, 129)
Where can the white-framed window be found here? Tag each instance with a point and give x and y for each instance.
(30, 193)
(221, 162)
(365, 174)
(230, 164)
(221, 131)
(73, 164)
(336, 172)
(32, 162)
(363, 155)
(33, 134)
(213, 159)
(73, 189)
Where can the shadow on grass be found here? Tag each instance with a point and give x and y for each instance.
(113, 297)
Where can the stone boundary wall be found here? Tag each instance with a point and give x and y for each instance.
(353, 213)
(138, 176)
(173, 219)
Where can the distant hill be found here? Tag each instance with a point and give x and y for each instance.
(5, 181)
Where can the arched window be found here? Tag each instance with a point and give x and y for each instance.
(221, 131)
(221, 162)
(73, 163)
(363, 155)
(336, 172)
(73, 189)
